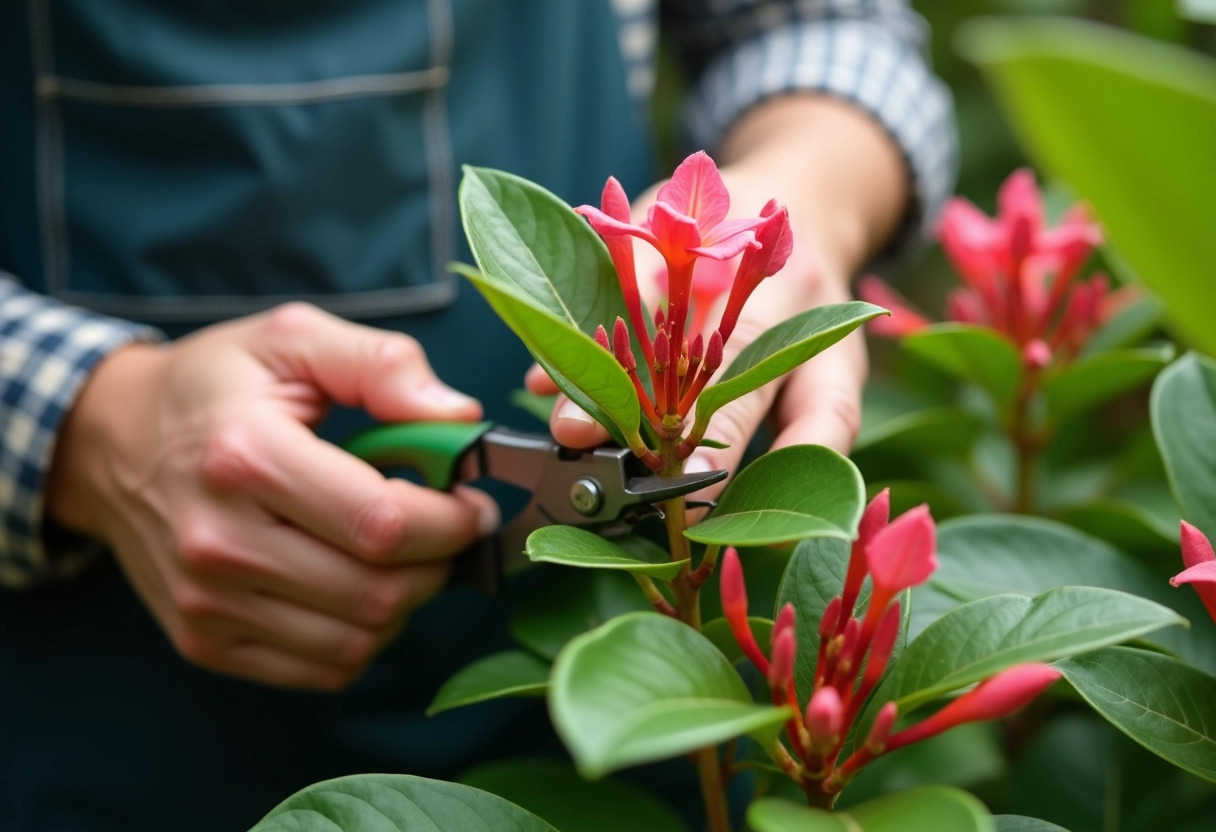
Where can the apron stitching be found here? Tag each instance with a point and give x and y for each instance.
(437, 148)
(49, 132)
(355, 86)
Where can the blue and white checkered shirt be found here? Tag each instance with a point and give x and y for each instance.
(868, 52)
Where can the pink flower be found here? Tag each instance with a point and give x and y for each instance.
(1200, 561)
(904, 320)
(776, 242)
(902, 555)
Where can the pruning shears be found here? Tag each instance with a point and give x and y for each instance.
(606, 490)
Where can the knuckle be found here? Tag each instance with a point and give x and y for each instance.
(389, 351)
(379, 530)
(195, 604)
(230, 457)
(202, 547)
(197, 647)
(384, 603)
(290, 320)
(359, 649)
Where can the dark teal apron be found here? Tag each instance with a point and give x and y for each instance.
(185, 161)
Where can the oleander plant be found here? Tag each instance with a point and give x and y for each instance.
(999, 614)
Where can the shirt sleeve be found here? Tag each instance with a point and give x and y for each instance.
(47, 350)
(867, 52)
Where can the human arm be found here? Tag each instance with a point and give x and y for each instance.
(837, 117)
(262, 551)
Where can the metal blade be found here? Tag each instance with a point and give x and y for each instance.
(653, 489)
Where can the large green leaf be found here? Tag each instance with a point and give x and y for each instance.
(510, 673)
(980, 639)
(1126, 524)
(584, 370)
(1201, 11)
(1090, 381)
(644, 687)
(938, 430)
(971, 353)
(1165, 705)
(553, 790)
(783, 348)
(572, 546)
(814, 576)
(570, 603)
(1130, 123)
(789, 494)
(396, 803)
(1021, 823)
(1183, 408)
(993, 554)
(925, 809)
(530, 243)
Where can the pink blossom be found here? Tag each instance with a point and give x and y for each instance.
(904, 320)
(1200, 561)
(902, 555)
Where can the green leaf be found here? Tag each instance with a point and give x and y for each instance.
(934, 431)
(1088, 382)
(814, 576)
(510, 673)
(1123, 523)
(529, 243)
(1165, 705)
(1183, 409)
(789, 494)
(980, 639)
(1078, 95)
(994, 554)
(552, 789)
(644, 687)
(971, 353)
(1021, 823)
(584, 370)
(718, 631)
(572, 546)
(394, 803)
(570, 603)
(1200, 11)
(925, 809)
(1130, 325)
(783, 348)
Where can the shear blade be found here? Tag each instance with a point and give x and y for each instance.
(653, 489)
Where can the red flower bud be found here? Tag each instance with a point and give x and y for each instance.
(621, 347)
(831, 617)
(902, 555)
(785, 620)
(1036, 354)
(781, 671)
(1007, 692)
(713, 353)
(734, 607)
(662, 351)
(876, 740)
(825, 717)
(601, 337)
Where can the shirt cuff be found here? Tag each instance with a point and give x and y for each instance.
(47, 350)
(862, 62)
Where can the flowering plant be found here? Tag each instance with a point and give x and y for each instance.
(883, 633)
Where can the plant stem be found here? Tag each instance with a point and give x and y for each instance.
(717, 815)
(1026, 444)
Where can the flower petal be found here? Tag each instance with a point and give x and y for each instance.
(696, 190)
(904, 320)
(904, 553)
(1196, 548)
(607, 226)
(1019, 201)
(972, 242)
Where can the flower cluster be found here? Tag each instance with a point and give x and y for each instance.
(1020, 276)
(854, 650)
(687, 225)
(1200, 569)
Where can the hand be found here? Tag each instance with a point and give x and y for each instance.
(263, 551)
(846, 188)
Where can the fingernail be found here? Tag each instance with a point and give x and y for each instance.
(570, 410)
(487, 519)
(440, 395)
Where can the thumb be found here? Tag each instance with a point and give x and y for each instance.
(385, 373)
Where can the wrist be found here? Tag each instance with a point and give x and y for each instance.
(93, 435)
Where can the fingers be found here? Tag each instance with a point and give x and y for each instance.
(573, 427)
(339, 499)
(820, 402)
(385, 373)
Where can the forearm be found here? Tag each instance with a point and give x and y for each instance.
(840, 173)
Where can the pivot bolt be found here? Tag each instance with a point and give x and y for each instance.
(586, 496)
